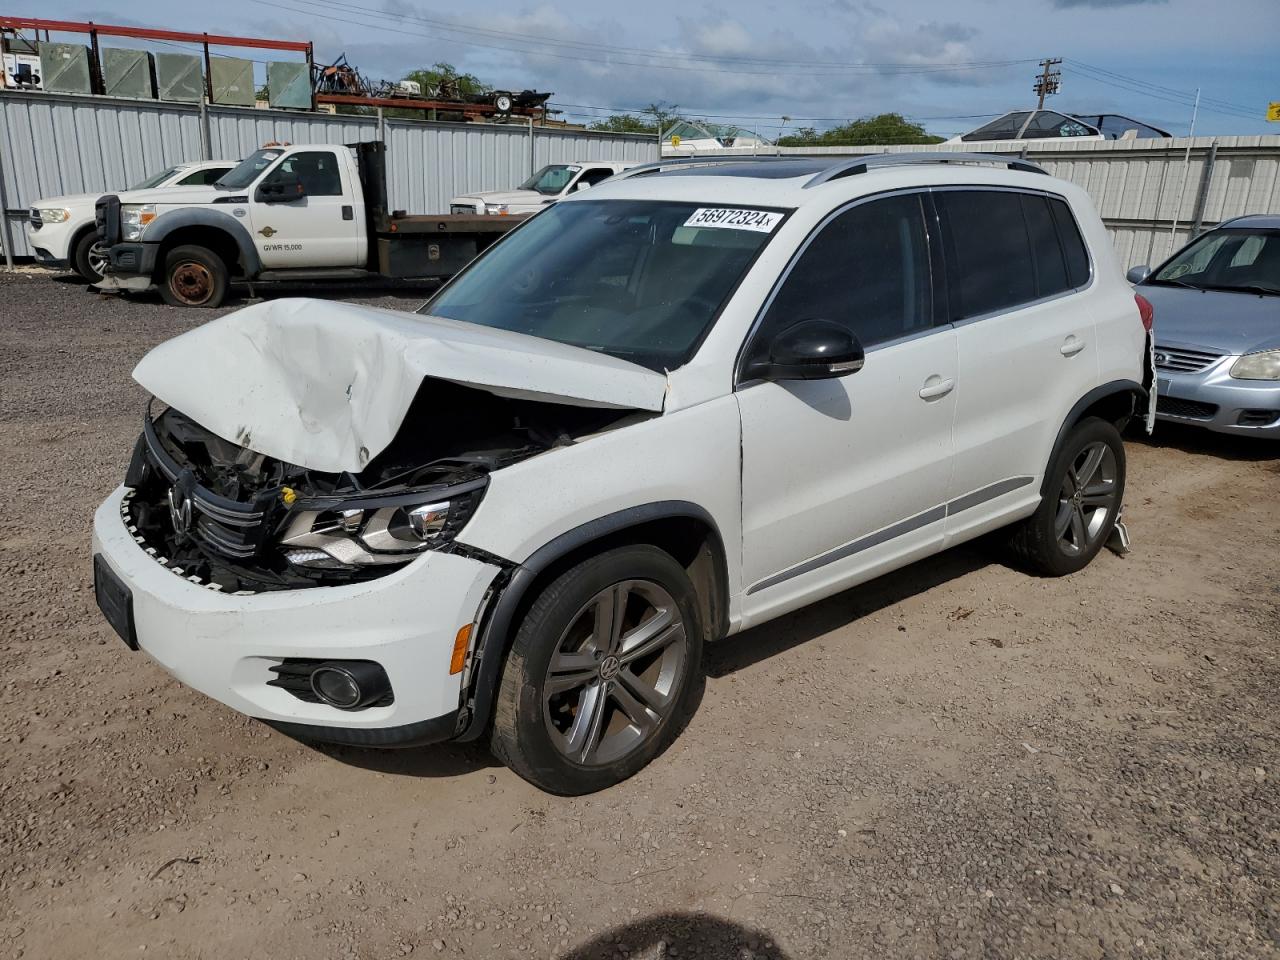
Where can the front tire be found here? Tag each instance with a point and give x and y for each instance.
(89, 257)
(602, 673)
(1084, 490)
(193, 277)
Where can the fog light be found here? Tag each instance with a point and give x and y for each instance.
(349, 685)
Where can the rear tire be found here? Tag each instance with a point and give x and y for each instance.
(602, 674)
(1083, 494)
(193, 277)
(86, 260)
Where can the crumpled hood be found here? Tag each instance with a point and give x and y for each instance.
(1220, 320)
(326, 385)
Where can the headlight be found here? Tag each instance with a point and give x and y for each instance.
(496, 209)
(134, 218)
(372, 533)
(1257, 366)
(54, 214)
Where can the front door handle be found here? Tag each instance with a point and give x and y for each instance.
(936, 387)
(1071, 346)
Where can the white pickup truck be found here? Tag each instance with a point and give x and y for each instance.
(549, 184)
(314, 212)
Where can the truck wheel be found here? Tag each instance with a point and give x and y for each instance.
(602, 674)
(89, 257)
(193, 277)
(1084, 490)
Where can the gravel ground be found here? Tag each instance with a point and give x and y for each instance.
(954, 761)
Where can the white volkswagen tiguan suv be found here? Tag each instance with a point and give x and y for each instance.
(691, 400)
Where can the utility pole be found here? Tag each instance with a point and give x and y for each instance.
(1049, 79)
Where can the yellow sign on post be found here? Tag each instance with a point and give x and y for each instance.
(1273, 111)
(675, 141)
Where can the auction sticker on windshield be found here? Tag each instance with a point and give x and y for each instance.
(729, 218)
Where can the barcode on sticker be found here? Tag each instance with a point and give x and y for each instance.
(728, 218)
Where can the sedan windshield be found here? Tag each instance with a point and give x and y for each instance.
(247, 170)
(1229, 259)
(552, 179)
(155, 179)
(637, 279)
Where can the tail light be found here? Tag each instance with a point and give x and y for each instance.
(1146, 311)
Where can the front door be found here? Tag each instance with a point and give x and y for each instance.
(318, 228)
(844, 477)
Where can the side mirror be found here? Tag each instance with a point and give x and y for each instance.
(1138, 274)
(285, 188)
(581, 185)
(810, 350)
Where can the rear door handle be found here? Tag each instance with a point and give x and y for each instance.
(1071, 346)
(936, 387)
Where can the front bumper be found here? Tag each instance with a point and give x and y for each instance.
(130, 266)
(223, 645)
(1213, 399)
(51, 243)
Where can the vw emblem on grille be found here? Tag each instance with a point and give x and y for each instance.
(180, 512)
(181, 506)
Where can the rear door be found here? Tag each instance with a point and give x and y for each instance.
(318, 229)
(1016, 266)
(844, 477)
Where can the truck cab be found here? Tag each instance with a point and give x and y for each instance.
(306, 212)
(551, 183)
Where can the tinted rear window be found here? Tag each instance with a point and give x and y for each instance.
(1007, 249)
(989, 257)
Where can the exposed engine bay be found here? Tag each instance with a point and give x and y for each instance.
(235, 520)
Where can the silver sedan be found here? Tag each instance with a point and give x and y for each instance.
(1217, 325)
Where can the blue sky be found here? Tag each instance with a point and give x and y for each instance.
(943, 62)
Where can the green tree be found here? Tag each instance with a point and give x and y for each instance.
(447, 76)
(883, 128)
(654, 119)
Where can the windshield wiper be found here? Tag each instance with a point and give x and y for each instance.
(1175, 282)
(1259, 288)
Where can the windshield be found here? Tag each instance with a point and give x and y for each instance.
(637, 279)
(155, 179)
(1240, 259)
(552, 179)
(247, 170)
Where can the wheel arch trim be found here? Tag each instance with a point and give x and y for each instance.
(497, 625)
(168, 223)
(1114, 388)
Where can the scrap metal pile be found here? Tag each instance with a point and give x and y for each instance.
(341, 83)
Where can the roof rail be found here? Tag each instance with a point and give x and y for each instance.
(658, 166)
(857, 165)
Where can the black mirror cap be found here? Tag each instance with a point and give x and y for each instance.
(283, 190)
(811, 350)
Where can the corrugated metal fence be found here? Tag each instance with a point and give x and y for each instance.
(1138, 186)
(52, 145)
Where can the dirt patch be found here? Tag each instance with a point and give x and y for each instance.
(954, 761)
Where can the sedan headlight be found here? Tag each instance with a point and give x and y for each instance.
(134, 218)
(1257, 366)
(371, 532)
(54, 214)
(496, 209)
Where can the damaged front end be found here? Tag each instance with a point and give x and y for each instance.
(235, 520)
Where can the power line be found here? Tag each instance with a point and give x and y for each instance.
(834, 69)
(746, 116)
(1157, 92)
(448, 26)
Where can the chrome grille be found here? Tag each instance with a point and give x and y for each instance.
(1178, 360)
